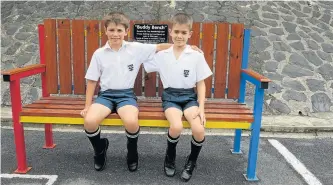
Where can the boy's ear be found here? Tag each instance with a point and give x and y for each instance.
(170, 30)
(126, 31)
(190, 34)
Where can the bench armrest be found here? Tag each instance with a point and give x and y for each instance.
(18, 73)
(255, 78)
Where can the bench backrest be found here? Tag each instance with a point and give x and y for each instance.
(69, 45)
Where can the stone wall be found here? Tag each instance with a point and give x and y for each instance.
(291, 43)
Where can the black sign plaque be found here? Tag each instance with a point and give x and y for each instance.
(151, 33)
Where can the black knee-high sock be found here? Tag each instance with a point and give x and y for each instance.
(195, 149)
(132, 144)
(95, 139)
(172, 144)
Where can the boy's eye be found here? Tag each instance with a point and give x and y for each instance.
(184, 32)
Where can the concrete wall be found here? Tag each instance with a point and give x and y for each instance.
(291, 43)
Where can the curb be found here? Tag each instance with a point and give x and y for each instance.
(296, 129)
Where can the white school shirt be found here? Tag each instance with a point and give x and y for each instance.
(190, 68)
(118, 69)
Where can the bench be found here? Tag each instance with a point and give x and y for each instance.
(63, 83)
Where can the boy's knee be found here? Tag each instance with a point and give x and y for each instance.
(131, 121)
(131, 124)
(90, 124)
(176, 128)
(198, 131)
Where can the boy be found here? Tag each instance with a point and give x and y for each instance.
(181, 69)
(116, 65)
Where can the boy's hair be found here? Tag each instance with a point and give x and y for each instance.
(182, 18)
(116, 18)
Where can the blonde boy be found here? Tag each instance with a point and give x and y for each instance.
(182, 69)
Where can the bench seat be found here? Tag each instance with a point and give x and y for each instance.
(66, 110)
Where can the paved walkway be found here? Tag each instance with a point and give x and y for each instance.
(70, 162)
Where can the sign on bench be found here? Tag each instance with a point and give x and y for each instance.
(151, 33)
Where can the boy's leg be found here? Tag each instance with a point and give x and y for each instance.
(129, 115)
(95, 115)
(198, 137)
(174, 116)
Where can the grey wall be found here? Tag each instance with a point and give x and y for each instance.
(291, 43)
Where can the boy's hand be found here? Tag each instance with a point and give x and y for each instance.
(201, 113)
(194, 47)
(84, 112)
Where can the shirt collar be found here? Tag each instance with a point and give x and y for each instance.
(107, 46)
(187, 49)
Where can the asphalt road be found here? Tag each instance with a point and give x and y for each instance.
(72, 161)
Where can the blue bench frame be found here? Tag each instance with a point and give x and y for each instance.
(260, 85)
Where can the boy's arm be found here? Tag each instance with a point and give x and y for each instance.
(163, 46)
(201, 88)
(202, 72)
(150, 65)
(91, 85)
(92, 76)
(147, 50)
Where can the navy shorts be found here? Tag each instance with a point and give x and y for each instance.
(179, 98)
(116, 98)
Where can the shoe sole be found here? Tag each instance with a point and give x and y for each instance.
(136, 166)
(169, 175)
(134, 169)
(107, 146)
(166, 173)
(185, 180)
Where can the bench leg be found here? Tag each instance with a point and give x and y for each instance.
(255, 136)
(20, 149)
(48, 137)
(237, 142)
(18, 128)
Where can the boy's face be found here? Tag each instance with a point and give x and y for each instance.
(116, 33)
(180, 33)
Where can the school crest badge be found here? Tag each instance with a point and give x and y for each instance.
(186, 73)
(130, 67)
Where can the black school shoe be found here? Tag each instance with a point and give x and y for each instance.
(100, 159)
(188, 170)
(169, 166)
(132, 161)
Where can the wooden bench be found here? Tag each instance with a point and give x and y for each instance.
(231, 75)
